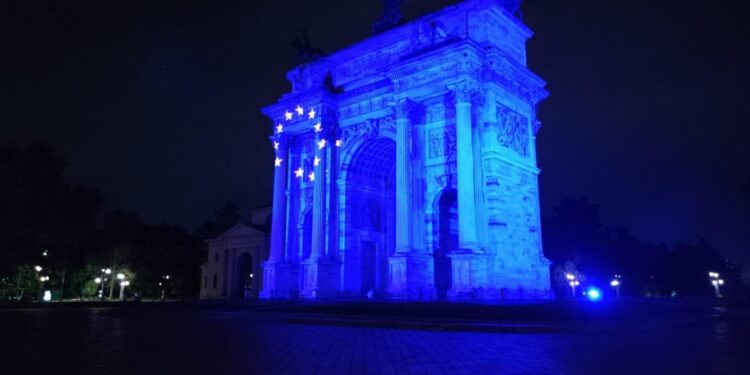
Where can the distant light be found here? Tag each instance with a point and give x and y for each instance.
(167, 277)
(47, 296)
(251, 275)
(38, 268)
(121, 276)
(107, 271)
(594, 294)
(44, 253)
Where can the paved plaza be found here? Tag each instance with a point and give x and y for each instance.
(224, 341)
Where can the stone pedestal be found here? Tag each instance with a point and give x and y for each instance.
(279, 280)
(320, 278)
(407, 274)
(468, 276)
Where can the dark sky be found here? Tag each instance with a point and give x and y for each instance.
(157, 102)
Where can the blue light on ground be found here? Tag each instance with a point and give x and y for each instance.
(594, 294)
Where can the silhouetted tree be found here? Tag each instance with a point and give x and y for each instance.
(40, 211)
(224, 218)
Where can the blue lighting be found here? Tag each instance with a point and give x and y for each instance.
(347, 188)
(594, 294)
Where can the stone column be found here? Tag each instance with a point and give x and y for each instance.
(320, 272)
(277, 274)
(467, 225)
(293, 202)
(407, 267)
(278, 223)
(319, 201)
(403, 176)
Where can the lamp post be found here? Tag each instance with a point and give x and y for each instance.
(573, 282)
(123, 284)
(102, 280)
(615, 283)
(42, 280)
(717, 282)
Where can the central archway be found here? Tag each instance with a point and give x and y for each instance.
(370, 203)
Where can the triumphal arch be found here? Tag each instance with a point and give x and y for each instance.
(405, 166)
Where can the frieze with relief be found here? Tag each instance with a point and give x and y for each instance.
(514, 130)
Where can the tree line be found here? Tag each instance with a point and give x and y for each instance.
(577, 243)
(56, 236)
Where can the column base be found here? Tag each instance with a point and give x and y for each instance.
(279, 280)
(320, 278)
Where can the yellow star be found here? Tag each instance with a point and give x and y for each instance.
(275, 145)
(299, 172)
(300, 111)
(287, 115)
(311, 114)
(318, 127)
(339, 143)
(311, 176)
(316, 161)
(321, 144)
(277, 162)
(279, 129)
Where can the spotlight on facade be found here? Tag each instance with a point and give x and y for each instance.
(594, 294)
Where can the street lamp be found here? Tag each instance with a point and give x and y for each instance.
(42, 279)
(38, 268)
(123, 284)
(102, 280)
(121, 276)
(615, 283)
(573, 282)
(716, 282)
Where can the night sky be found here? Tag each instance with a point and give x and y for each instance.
(156, 103)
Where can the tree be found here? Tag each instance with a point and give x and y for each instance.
(40, 211)
(224, 218)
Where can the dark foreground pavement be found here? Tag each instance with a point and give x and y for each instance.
(346, 338)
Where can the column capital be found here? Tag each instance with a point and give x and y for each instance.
(464, 91)
(410, 110)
